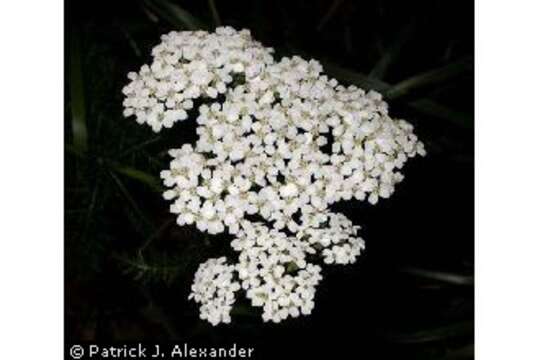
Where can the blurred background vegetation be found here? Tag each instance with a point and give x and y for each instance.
(129, 266)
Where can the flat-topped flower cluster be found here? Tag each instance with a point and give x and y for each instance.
(278, 143)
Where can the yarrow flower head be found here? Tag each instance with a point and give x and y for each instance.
(278, 143)
(214, 288)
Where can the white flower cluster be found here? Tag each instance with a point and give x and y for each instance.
(265, 267)
(188, 65)
(214, 288)
(338, 240)
(280, 144)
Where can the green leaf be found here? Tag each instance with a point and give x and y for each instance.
(431, 77)
(355, 77)
(78, 110)
(424, 106)
(445, 332)
(131, 201)
(131, 41)
(215, 13)
(125, 170)
(136, 174)
(466, 352)
(156, 234)
(139, 146)
(329, 13)
(158, 270)
(432, 108)
(90, 211)
(175, 15)
(451, 278)
(392, 53)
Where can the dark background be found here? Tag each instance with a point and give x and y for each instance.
(129, 267)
